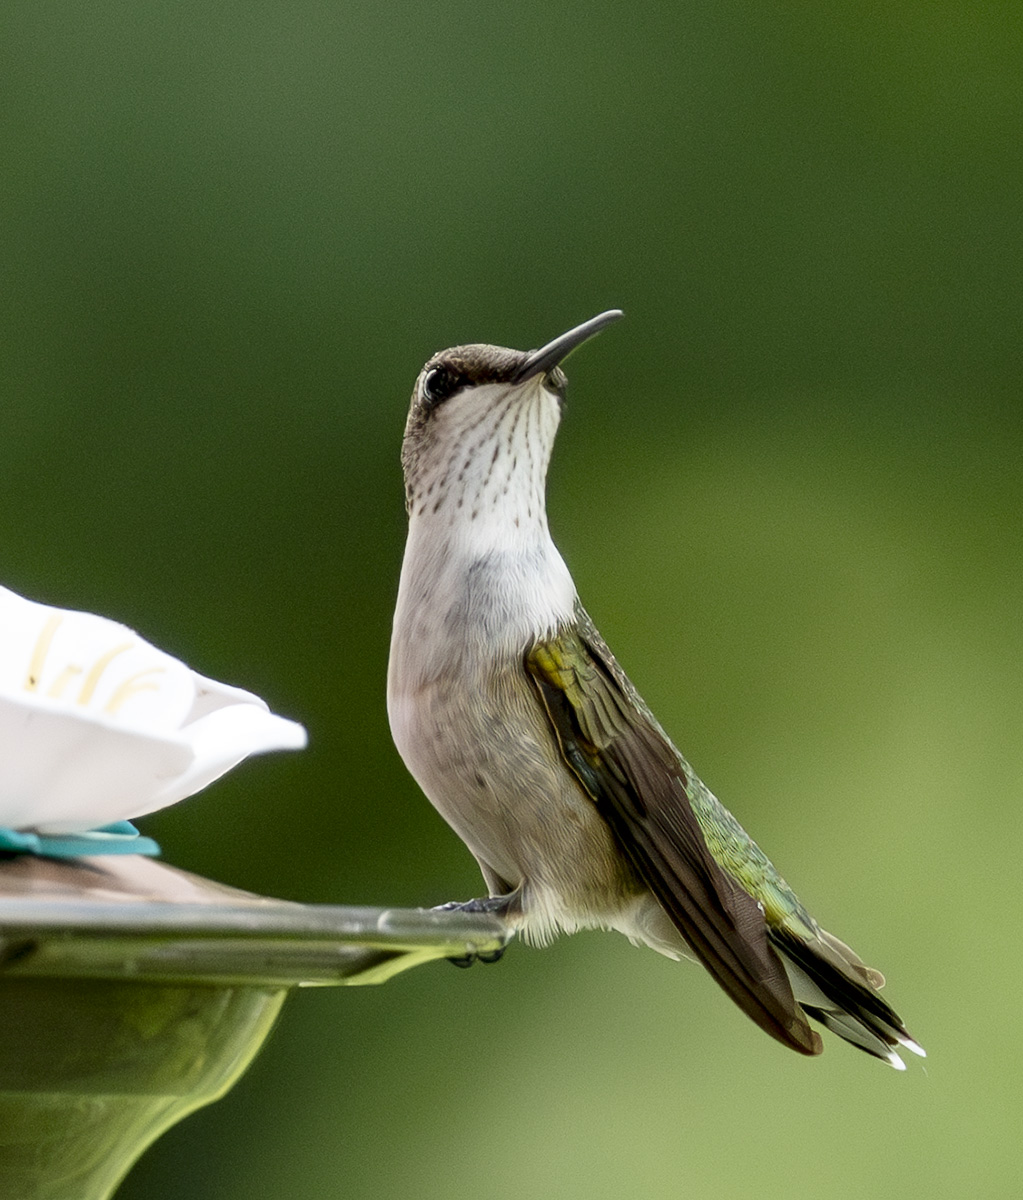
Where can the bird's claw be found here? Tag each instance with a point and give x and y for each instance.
(493, 905)
(488, 956)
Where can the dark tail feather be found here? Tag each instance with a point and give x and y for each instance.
(834, 987)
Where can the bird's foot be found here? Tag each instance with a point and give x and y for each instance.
(467, 960)
(495, 905)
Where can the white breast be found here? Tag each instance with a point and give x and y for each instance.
(463, 603)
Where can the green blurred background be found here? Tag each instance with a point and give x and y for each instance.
(788, 486)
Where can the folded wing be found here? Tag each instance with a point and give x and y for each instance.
(637, 781)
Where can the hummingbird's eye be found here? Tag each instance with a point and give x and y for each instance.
(439, 384)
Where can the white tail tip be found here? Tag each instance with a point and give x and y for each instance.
(913, 1047)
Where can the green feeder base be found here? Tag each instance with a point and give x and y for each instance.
(133, 993)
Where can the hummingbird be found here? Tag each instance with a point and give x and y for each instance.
(517, 722)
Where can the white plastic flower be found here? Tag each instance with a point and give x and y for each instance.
(97, 725)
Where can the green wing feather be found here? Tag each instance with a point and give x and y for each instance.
(644, 790)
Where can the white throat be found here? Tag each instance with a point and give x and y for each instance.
(481, 575)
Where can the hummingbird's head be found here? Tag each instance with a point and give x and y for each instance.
(481, 428)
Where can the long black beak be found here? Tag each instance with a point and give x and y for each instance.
(539, 362)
